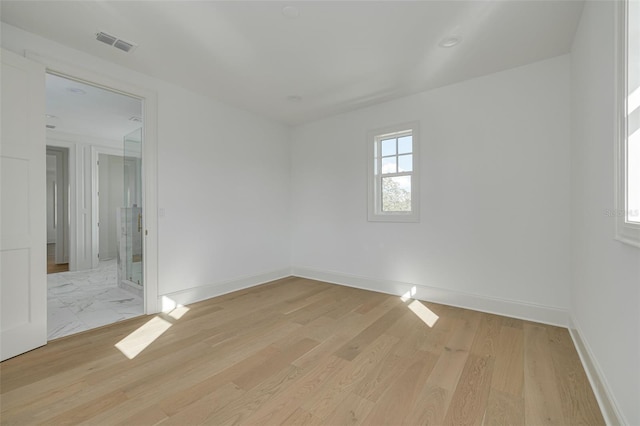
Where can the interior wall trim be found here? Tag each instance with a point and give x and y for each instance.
(608, 406)
(199, 293)
(510, 308)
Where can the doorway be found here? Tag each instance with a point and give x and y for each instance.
(93, 123)
(57, 209)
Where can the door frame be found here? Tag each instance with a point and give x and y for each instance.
(95, 232)
(72, 231)
(149, 161)
(63, 237)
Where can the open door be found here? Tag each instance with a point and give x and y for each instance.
(23, 280)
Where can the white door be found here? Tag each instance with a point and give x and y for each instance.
(23, 269)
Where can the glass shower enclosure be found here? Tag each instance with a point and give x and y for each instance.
(130, 259)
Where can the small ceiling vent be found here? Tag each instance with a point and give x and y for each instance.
(50, 126)
(106, 38)
(123, 45)
(116, 42)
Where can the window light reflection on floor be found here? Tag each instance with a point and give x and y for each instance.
(425, 314)
(136, 342)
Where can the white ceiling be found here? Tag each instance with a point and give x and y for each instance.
(335, 55)
(82, 109)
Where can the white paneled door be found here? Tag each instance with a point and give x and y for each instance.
(23, 286)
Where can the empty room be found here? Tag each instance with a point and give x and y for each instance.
(320, 212)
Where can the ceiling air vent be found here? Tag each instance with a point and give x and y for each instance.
(123, 45)
(50, 126)
(116, 42)
(106, 38)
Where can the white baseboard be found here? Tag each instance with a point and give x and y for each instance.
(197, 294)
(612, 415)
(510, 308)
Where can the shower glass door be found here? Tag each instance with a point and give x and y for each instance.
(133, 208)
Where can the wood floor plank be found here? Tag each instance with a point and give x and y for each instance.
(578, 403)
(356, 345)
(250, 377)
(504, 409)
(284, 404)
(395, 404)
(430, 407)
(351, 410)
(240, 409)
(334, 390)
(299, 351)
(87, 410)
(202, 409)
(487, 336)
(541, 395)
(380, 377)
(302, 417)
(469, 401)
(508, 374)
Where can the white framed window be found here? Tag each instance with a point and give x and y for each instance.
(393, 157)
(627, 211)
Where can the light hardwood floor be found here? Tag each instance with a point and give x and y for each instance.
(297, 351)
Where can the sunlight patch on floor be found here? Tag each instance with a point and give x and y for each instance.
(409, 294)
(140, 339)
(425, 314)
(178, 312)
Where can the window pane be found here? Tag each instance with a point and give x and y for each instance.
(389, 165)
(633, 111)
(405, 145)
(405, 163)
(388, 147)
(396, 194)
(633, 177)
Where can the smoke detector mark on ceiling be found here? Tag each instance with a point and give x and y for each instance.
(118, 43)
(76, 91)
(450, 41)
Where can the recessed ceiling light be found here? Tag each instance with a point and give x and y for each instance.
(294, 98)
(76, 91)
(450, 41)
(290, 12)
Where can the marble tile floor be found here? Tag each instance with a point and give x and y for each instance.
(79, 301)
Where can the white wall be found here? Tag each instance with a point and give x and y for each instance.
(223, 183)
(494, 188)
(605, 288)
